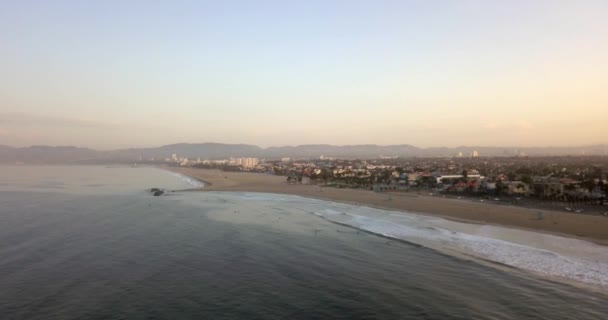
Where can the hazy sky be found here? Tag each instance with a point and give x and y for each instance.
(109, 74)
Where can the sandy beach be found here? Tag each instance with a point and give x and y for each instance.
(588, 227)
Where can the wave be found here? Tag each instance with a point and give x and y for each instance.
(425, 231)
(195, 183)
(557, 257)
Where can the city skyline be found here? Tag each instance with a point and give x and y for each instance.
(242, 154)
(115, 75)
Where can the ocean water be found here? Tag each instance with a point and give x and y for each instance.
(92, 243)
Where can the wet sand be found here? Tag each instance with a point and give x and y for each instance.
(592, 228)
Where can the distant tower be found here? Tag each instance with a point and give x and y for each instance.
(474, 154)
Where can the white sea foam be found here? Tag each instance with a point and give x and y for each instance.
(591, 269)
(555, 256)
(191, 181)
(248, 196)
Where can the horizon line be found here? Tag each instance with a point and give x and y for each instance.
(312, 144)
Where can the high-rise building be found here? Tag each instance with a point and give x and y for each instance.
(245, 162)
(250, 162)
(474, 154)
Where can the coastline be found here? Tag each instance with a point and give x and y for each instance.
(583, 227)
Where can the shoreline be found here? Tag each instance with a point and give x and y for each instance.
(583, 227)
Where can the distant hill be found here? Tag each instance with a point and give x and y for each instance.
(191, 150)
(7, 153)
(346, 152)
(67, 154)
(47, 154)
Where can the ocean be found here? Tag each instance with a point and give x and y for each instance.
(91, 242)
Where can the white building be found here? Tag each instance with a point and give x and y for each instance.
(246, 163)
(250, 162)
(440, 177)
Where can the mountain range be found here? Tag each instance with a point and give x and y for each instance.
(69, 154)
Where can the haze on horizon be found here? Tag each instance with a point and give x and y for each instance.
(115, 74)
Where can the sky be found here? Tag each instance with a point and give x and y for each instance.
(117, 74)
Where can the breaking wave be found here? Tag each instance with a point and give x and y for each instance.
(422, 231)
(189, 180)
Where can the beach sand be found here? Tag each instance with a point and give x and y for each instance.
(588, 227)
